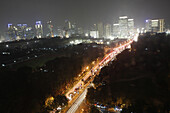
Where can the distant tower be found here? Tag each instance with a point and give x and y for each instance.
(21, 29)
(50, 27)
(100, 29)
(148, 25)
(12, 32)
(67, 28)
(131, 27)
(39, 29)
(116, 30)
(107, 30)
(123, 26)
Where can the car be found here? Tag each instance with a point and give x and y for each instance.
(98, 105)
(102, 106)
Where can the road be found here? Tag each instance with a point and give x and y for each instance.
(77, 103)
(109, 57)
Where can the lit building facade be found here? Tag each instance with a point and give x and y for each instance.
(39, 29)
(100, 30)
(29, 33)
(50, 27)
(155, 25)
(67, 29)
(107, 31)
(131, 28)
(20, 31)
(123, 27)
(12, 32)
(94, 34)
(60, 32)
(116, 31)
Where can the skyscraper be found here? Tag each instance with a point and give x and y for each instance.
(21, 31)
(155, 25)
(74, 29)
(94, 34)
(60, 32)
(12, 32)
(116, 31)
(100, 29)
(67, 28)
(39, 29)
(29, 33)
(107, 31)
(123, 26)
(50, 27)
(161, 25)
(131, 27)
(148, 25)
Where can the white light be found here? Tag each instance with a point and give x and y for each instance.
(111, 37)
(123, 17)
(71, 42)
(136, 37)
(130, 19)
(59, 108)
(155, 20)
(115, 24)
(7, 45)
(86, 34)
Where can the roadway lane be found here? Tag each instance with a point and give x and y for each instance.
(77, 103)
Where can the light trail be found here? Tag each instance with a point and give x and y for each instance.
(77, 103)
(104, 61)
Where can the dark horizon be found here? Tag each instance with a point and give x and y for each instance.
(84, 13)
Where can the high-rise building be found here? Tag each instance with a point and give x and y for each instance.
(67, 28)
(29, 33)
(123, 27)
(107, 31)
(21, 31)
(116, 31)
(148, 25)
(94, 34)
(67, 25)
(161, 25)
(80, 31)
(60, 32)
(39, 29)
(131, 30)
(155, 25)
(50, 27)
(74, 29)
(100, 29)
(12, 32)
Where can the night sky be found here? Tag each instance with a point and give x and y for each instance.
(83, 12)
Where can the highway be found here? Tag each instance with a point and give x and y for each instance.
(77, 103)
(92, 73)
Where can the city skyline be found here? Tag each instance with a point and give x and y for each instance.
(84, 13)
